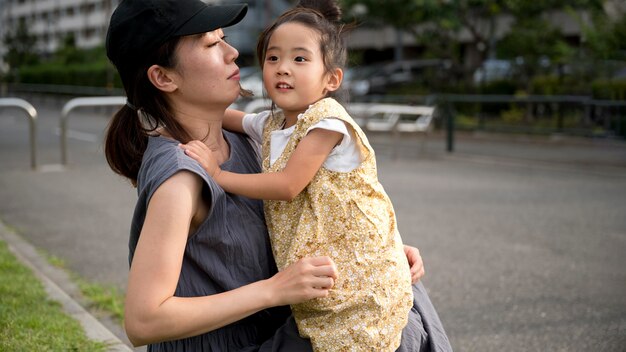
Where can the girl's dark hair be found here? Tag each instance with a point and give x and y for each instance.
(324, 16)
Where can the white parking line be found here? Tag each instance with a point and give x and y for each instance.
(81, 136)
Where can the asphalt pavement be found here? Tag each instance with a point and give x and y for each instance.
(523, 238)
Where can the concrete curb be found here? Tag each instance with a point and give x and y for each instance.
(29, 256)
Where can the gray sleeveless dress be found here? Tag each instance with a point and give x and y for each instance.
(231, 248)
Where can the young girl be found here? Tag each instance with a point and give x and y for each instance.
(319, 181)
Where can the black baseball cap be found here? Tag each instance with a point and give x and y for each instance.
(138, 27)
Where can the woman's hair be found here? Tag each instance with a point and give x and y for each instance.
(323, 16)
(147, 109)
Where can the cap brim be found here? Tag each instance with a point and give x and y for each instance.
(213, 17)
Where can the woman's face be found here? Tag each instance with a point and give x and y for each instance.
(206, 72)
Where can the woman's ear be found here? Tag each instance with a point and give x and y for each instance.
(160, 78)
(335, 78)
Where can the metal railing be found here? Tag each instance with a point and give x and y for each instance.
(589, 110)
(82, 102)
(446, 104)
(31, 113)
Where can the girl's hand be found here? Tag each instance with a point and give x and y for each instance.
(199, 152)
(308, 278)
(415, 262)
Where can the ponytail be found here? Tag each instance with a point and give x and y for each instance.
(125, 142)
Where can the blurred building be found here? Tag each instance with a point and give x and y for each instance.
(51, 21)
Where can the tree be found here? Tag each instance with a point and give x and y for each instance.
(68, 53)
(21, 49)
(536, 43)
(438, 25)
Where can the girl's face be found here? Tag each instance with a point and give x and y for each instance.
(294, 75)
(206, 72)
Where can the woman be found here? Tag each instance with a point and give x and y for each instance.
(202, 276)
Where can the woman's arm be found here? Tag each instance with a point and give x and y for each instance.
(154, 314)
(233, 120)
(301, 167)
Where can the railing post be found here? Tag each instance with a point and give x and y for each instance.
(81, 102)
(447, 111)
(31, 112)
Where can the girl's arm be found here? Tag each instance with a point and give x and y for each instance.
(233, 120)
(301, 167)
(154, 314)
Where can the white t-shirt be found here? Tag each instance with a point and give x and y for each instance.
(344, 157)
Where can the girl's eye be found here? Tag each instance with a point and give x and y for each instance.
(272, 58)
(300, 59)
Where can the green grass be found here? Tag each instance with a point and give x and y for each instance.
(100, 299)
(105, 300)
(29, 321)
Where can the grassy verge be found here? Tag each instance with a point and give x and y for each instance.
(29, 320)
(99, 299)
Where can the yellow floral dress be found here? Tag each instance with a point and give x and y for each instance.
(349, 217)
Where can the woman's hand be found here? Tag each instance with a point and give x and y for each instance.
(308, 278)
(199, 152)
(415, 262)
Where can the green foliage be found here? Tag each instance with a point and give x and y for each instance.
(438, 26)
(535, 44)
(68, 53)
(514, 115)
(555, 85)
(29, 320)
(106, 299)
(82, 74)
(604, 39)
(609, 89)
(20, 50)
(68, 65)
(502, 86)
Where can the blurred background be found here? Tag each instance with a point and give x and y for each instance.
(514, 190)
(569, 53)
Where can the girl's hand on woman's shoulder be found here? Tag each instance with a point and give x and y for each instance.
(308, 278)
(203, 155)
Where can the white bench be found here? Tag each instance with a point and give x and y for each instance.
(394, 118)
(374, 117)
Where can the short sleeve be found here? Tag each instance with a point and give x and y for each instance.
(253, 125)
(346, 156)
(332, 124)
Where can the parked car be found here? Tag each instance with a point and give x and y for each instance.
(378, 78)
(492, 70)
(357, 79)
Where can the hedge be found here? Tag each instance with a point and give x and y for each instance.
(88, 75)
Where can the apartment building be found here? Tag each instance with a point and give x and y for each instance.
(50, 21)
